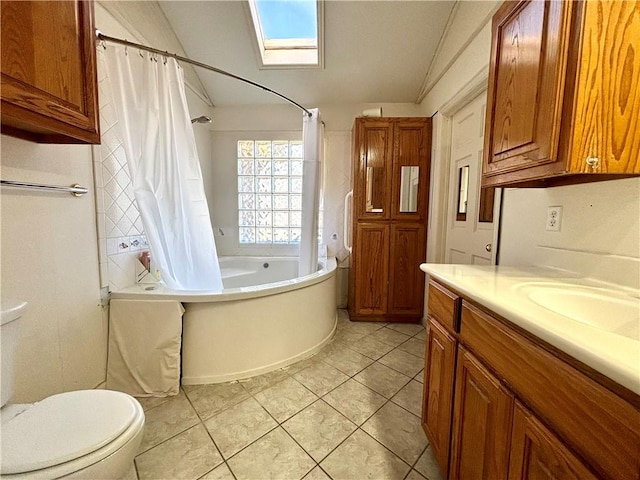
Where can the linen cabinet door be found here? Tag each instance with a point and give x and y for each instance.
(411, 162)
(481, 422)
(537, 454)
(406, 286)
(370, 269)
(439, 371)
(373, 142)
(530, 40)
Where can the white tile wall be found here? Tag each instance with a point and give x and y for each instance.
(120, 233)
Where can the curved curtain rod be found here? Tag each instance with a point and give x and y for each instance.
(106, 38)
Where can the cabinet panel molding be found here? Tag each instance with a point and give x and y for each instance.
(536, 453)
(439, 371)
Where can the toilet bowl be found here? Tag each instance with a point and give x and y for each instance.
(88, 434)
(84, 434)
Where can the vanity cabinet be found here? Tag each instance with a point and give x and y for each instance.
(563, 104)
(389, 214)
(49, 83)
(522, 409)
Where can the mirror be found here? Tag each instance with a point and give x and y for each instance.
(409, 177)
(375, 189)
(463, 192)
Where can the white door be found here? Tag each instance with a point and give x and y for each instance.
(470, 232)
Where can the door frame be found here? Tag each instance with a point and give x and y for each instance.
(440, 164)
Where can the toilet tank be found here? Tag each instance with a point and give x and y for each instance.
(12, 310)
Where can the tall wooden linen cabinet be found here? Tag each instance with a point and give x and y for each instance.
(390, 176)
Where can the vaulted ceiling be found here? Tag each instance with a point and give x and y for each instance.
(374, 51)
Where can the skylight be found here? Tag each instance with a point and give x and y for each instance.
(288, 31)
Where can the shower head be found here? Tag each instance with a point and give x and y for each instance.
(202, 119)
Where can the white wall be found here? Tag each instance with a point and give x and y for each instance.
(284, 122)
(600, 234)
(120, 231)
(49, 258)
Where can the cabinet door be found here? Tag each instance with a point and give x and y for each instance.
(439, 369)
(406, 286)
(481, 422)
(373, 142)
(49, 87)
(411, 155)
(536, 453)
(606, 122)
(371, 269)
(530, 41)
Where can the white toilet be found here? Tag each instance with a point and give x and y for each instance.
(92, 434)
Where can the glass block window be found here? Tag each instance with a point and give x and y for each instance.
(269, 191)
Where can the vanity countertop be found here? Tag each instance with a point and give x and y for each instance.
(595, 323)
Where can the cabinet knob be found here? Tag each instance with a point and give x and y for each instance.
(487, 247)
(593, 162)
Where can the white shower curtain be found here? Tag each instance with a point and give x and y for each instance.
(312, 138)
(157, 135)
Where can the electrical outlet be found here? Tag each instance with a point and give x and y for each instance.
(554, 218)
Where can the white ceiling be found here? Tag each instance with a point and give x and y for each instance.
(375, 51)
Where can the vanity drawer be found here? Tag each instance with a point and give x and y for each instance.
(600, 426)
(444, 306)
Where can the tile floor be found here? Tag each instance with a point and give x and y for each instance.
(352, 411)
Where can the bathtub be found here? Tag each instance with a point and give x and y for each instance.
(264, 319)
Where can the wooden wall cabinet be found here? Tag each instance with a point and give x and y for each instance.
(521, 409)
(390, 192)
(48, 79)
(563, 104)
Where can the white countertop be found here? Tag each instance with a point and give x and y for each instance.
(507, 291)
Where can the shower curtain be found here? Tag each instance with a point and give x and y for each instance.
(157, 135)
(312, 138)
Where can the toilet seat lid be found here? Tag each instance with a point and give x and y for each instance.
(64, 427)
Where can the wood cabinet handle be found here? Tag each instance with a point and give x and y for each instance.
(593, 162)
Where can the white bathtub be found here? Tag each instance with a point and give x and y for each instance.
(251, 328)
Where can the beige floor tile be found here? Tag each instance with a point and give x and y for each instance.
(238, 426)
(370, 347)
(399, 431)
(186, 456)
(321, 378)
(221, 472)
(406, 328)
(382, 379)
(413, 346)
(364, 328)
(164, 421)
(131, 473)
(319, 429)
(317, 474)
(421, 335)
(360, 456)
(211, 399)
(355, 401)
(428, 466)
(347, 336)
(390, 337)
(274, 456)
(413, 475)
(420, 376)
(302, 364)
(403, 362)
(410, 397)
(285, 399)
(151, 402)
(347, 360)
(254, 385)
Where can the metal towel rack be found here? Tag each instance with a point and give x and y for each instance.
(75, 189)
